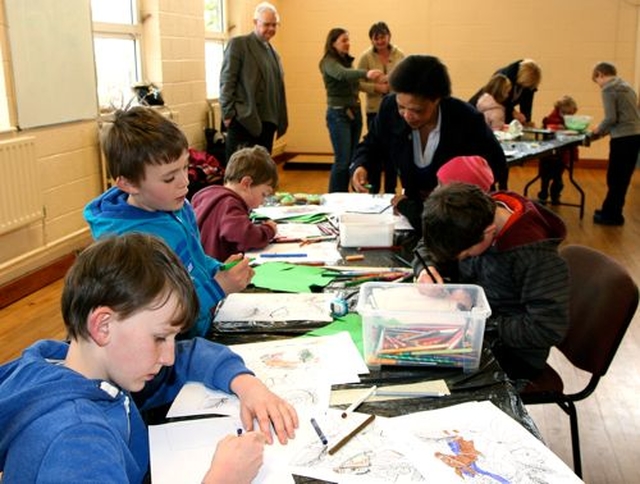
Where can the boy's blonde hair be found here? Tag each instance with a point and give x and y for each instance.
(529, 74)
(254, 162)
(498, 87)
(138, 137)
(566, 105)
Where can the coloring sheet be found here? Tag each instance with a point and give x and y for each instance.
(368, 458)
(476, 442)
(268, 306)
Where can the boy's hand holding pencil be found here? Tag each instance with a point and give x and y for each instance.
(235, 274)
(429, 274)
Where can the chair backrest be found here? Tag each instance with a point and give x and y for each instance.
(603, 302)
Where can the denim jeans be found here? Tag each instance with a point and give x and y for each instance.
(345, 128)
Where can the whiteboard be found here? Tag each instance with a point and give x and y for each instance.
(51, 45)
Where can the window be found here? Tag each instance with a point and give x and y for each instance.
(215, 38)
(116, 43)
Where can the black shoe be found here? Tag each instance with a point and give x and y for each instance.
(600, 219)
(542, 197)
(555, 201)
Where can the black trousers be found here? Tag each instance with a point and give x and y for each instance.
(238, 137)
(386, 166)
(623, 155)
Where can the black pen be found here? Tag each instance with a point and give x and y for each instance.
(319, 431)
(426, 267)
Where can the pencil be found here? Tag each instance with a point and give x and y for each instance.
(359, 401)
(319, 431)
(426, 267)
(336, 447)
(229, 265)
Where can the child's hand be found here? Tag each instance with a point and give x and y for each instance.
(272, 224)
(425, 278)
(236, 459)
(237, 277)
(257, 401)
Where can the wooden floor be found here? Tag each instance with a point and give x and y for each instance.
(609, 419)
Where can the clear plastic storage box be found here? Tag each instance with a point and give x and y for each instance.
(366, 230)
(423, 324)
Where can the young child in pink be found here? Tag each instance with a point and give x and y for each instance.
(492, 101)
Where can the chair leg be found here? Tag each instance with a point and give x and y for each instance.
(570, 409)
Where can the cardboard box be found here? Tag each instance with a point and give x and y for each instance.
(366, 230)
(423, 324)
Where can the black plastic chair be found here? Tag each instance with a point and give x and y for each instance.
(603, 302)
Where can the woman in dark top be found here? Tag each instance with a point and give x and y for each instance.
(419, 128)
(344, 116)
(525, 76)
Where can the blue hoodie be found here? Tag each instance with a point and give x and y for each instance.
(59, 426)
(110, 214)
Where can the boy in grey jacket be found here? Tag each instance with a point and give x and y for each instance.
(622, 122)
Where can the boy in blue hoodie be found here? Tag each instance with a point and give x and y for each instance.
(147, 157)
(508, 245)
(67, 409)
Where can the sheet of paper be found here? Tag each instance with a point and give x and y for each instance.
(351, 323)
(297, 230)
(320, 252)
(275, 307)
(281, 212)
(196, 399)
(182, 452)
(335, 356)
(411, 390)
(342, 202)
(291, 278)
(476, 442)
(368, 458)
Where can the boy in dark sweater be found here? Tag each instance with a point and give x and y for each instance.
(508, 245)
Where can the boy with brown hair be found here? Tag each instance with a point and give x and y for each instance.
(508, 245)
(67, 409)
(147, 156)
(222, 212)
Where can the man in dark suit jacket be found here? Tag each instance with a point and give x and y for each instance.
(252, 95)
(419, 129)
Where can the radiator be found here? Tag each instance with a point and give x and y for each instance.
(20, 194)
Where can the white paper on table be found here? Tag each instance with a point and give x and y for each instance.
(275, 307)
(281, 212)
(368, 458)
(295, 369)
(182, 451)
(334, 355)
(196, 399)
(479, 441)
(325, 252)
(298, 230)
(342, 202)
